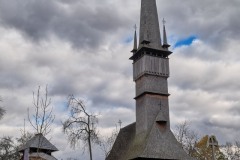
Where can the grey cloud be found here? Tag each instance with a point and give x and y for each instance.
(225, 123)
(81, 25)
(210, 112)
(31, 17)
(16, 76)
(100, 94)
(64, 87)
(226, 128)
(210, 75)
(235, 110)
(212, 21)
(204, 77)
(112, 117)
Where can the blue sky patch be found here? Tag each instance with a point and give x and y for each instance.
(185, 42)
(128, 39)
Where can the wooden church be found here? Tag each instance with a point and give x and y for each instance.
(150, 136)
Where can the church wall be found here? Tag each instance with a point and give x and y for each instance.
(150, 83)
(147, 109)
(151, 65)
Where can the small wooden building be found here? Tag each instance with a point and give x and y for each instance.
(37, 148)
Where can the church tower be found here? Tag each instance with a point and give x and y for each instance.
(150, 136)
(150, 72)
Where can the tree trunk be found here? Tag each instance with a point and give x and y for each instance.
(89, 138)
(90, 146)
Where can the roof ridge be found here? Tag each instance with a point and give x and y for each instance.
(39, 141)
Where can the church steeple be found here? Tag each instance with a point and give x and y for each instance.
(150, 137)
(149, 35)
(165, 43)
(135, 40)
(150, 72)
(149, 25)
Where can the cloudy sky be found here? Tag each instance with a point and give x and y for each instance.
(82, 47)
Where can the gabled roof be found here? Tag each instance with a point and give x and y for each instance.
(155, 145)
(40, 142)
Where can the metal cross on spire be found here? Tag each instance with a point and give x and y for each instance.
(135, 27)
(163, 21)
(120, 123)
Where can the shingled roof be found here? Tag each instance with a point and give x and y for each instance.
(40, 142)
(157, 145)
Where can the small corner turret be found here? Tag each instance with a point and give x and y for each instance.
(165, 43)
(135, 40)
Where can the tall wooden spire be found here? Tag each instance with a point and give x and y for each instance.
(149, 25)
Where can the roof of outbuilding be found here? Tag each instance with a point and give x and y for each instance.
(40, 142)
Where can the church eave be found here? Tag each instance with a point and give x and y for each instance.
(152, 93)
(166, 45)
(134, 51)
(147, 73)
(151, 52)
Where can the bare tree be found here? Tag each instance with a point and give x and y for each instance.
(186, 136)
(232, 150)
(25, 137)
(106, 142)
(43, 117)
(80, 126)
(2, 111)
